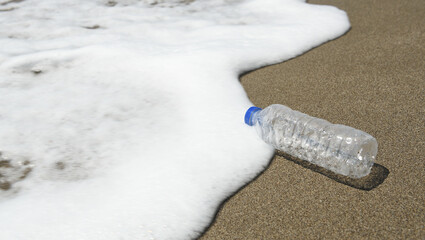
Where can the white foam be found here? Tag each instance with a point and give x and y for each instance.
(129, 114)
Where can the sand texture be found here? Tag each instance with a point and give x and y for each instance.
(373, 79)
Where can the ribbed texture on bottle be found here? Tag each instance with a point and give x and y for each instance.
(339, 148)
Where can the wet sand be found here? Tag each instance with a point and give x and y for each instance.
(373, 79)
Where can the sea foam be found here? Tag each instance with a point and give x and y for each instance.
(123, 119)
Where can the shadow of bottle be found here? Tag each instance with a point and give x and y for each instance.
(376, 177)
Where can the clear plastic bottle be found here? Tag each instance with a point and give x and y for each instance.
(339, 148)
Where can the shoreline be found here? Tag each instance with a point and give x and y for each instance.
(371, 78)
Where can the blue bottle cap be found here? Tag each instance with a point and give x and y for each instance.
(249, 114)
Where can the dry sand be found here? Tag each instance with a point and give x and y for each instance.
(373, 79)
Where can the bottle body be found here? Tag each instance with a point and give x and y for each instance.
(339, 148)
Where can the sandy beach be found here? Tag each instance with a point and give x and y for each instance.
(373, 79)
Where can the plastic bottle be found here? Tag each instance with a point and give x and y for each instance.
(339, 148)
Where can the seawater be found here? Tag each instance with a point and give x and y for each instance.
(123, 119)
